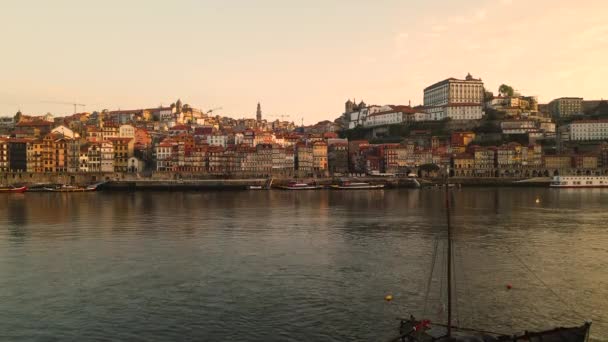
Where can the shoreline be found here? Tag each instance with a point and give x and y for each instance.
(130, 182)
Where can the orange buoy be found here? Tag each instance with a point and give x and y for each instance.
(509, 286)
(388, 298)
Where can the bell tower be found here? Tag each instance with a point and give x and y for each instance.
(258, 113)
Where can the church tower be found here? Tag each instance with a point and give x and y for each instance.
(258, 113)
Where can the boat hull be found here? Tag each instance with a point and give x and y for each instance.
(13, 190)
(316, 187)
(579, 182)
(359, 187)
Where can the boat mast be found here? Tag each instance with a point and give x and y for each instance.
(447, 212)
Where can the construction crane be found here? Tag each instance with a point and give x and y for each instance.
(213, 110)
(279, 116)
(67, 103)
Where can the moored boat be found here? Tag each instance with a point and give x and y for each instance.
(579, 182)
(301, 186)
(12, 189)
(357, 186)
(412, 330)
(69, 188)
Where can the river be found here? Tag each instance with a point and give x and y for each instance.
(296, 266)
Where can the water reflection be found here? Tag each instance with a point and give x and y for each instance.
(298, 265)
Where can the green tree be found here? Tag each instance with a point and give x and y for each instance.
(506, 90)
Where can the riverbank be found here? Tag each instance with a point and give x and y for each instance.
(133, 182)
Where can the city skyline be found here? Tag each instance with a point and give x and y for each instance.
(301, 60)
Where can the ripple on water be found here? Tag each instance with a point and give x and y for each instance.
(284, 266)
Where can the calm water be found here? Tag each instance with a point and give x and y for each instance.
(295, 266)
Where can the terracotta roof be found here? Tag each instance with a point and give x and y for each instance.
(34, 123)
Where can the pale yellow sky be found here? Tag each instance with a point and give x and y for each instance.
(298, 58)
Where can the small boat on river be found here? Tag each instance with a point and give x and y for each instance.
(301, 186)
(68, 188)
(12, 189)
(357, 186)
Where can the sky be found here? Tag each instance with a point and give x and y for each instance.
(298, 58)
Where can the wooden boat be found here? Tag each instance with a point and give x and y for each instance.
(357, 186)
(301, 186)
(69, 188)
(413, 330)
(267, 185)
(12, 189)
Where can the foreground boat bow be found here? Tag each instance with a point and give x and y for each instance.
(412, 330)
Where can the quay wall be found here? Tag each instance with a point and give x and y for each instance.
(173, 181)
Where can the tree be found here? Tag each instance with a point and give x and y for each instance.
(505, 90)
(487, 95)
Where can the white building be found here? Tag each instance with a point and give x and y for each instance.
(66, 132)
(164, 152)
(107, 156)
(83, 160)
(136, 165)
(7, 122)
(126, 131)
(588, 130)
(217, 140)
(455, 99)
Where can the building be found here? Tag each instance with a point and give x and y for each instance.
(218, 140)
(107, 156)
(55, 152)
(557, 162)
(123, 150)
(462, 138)
(337, 157)
(4, 155)
(455, 99)
(304, 159)
(164, 155)
(258, 113)
(583, 130)
(463, 164)
(136, 165)
(126, 131)
(319, 155)
(34, 156)
(34, 128)
(485, 160)
(66, 132)
(587, 162)
(564, 107)
(17, 155)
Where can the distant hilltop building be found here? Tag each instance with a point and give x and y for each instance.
(455, 99)
(566, 107)
(352, 106)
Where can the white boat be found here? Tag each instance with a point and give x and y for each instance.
(301, 186)
(357, 186)
(267, 185)
(579, 182)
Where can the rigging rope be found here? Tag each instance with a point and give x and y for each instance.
(546, 286)
(467, 288)
(430, 280)
(455, 284)
(443, 271)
